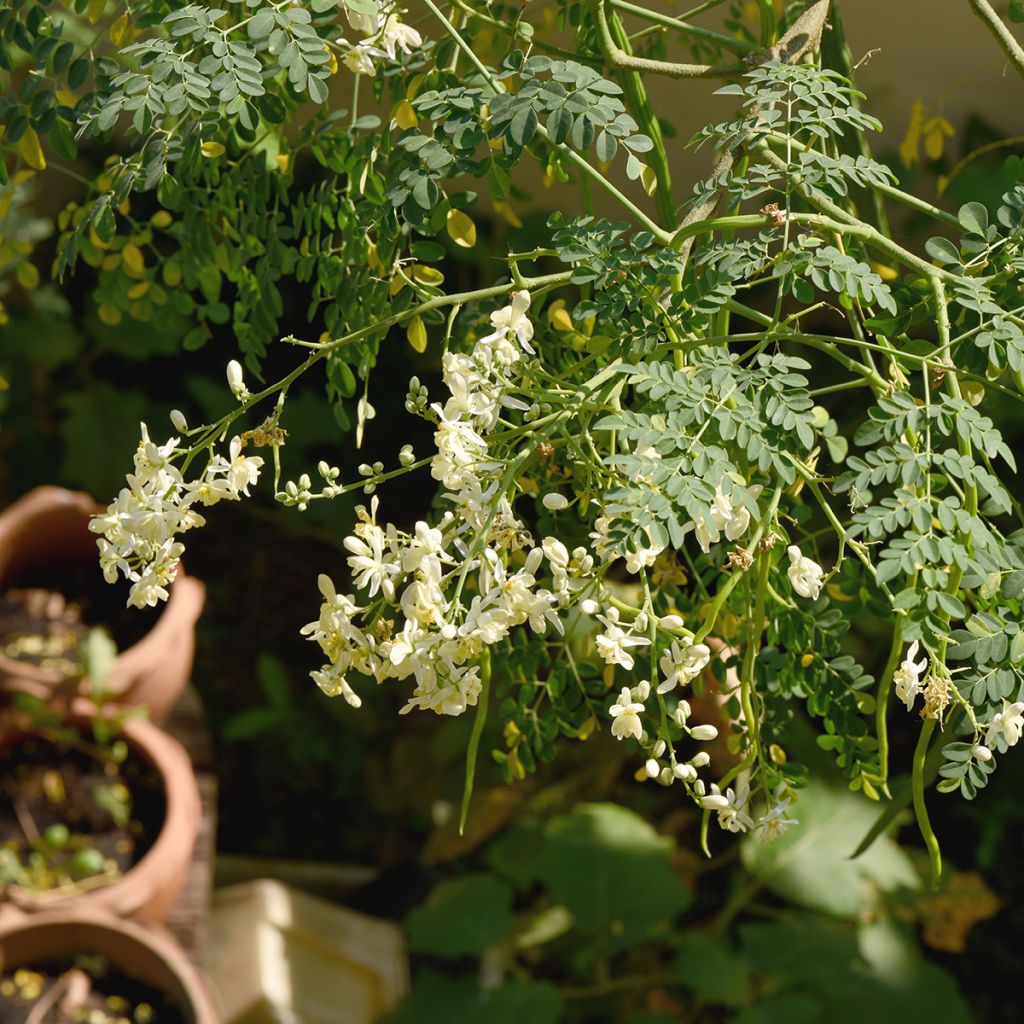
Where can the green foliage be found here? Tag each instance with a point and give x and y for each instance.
(462, 918)
(611, 870)
(811, 865)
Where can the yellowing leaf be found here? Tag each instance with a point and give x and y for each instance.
(161, 219)
(429, 276)
(138, 290)
(95, 10)
(134, 261)
(28, 275)
(649, 180)
(558, 317)
(332, 61)
(30, 150)
(507, 214)
(66, 98)
(111, 261)
(95, 239)
(416, 332)
(171, 274)
(212, 150)
(973, 391)
(935, 131)
(282, 160)
(910, 147)
(885, 272)
(121, 31)
(405, 116)
(461, 229)
(110, 314)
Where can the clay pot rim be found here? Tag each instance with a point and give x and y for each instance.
(183, 605)
(132, 891)
(156, 941)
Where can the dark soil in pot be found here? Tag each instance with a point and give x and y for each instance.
(70, 815)
(81, 990)
(45, 615)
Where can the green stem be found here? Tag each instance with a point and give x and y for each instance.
(738, 46)
(984, 10)
(620, 59)
(474, 737)
(640, 104)
(931, 842)
(882, 703)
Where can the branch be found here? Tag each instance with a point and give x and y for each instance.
(730, 43)
(620, 59)
(983, 9)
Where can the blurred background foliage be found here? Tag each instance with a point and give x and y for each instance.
(552, 906)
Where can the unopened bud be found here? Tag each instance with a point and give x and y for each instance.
(235, 379)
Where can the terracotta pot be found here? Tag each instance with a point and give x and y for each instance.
(147, 954)
(48, 529)
(147, 890)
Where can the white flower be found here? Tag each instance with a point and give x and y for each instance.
(371, 562)
(774, 823)
(907, 678)
(730, 807)
(733, 521)
(626, 714)
(682, 662)
(368, 24)
(614, 643)
(395, 35)
(554, 502)
(512, 319)
(242, 471)
(804, 573)
(1006, 727)
(358, 59)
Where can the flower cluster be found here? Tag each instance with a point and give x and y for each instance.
(140, 528)
(384, 35)
(437, 637)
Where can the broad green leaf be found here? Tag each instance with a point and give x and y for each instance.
(709, 966)
(611, 870)
(811, 866)
(462, 917)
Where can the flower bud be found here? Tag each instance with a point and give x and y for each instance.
(554, 502)
(704, 733)
(235, 380)
(589, 606)
(981, 752)
(674, 622)
(178, 420)
(652, 768)
(701, 759)
(714, 802)
(642, 690)
(659, 748)
(685, 772)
